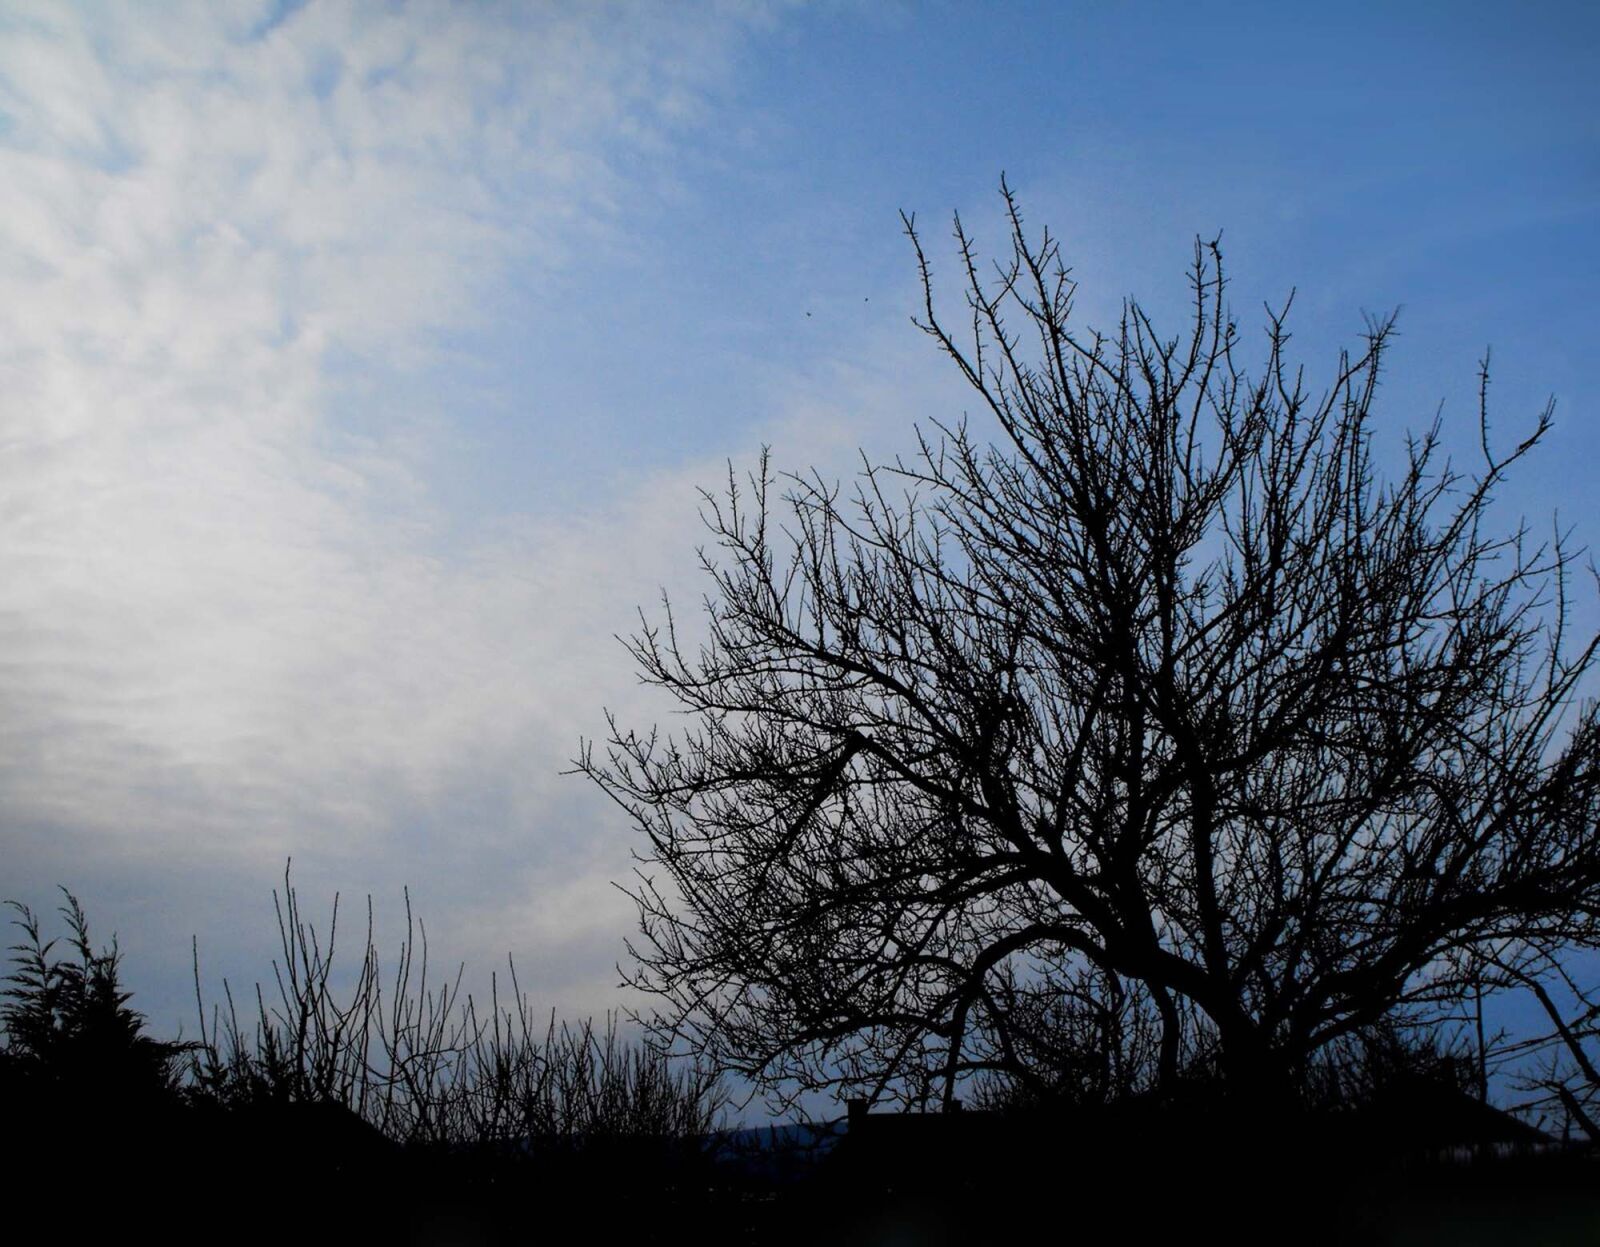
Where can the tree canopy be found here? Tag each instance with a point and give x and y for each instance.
(1140, 722)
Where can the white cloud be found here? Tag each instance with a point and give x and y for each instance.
(231, 624)
(235, 624)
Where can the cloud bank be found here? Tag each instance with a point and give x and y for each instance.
(234, 622)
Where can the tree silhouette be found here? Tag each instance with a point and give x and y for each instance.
(1161, 727)
(68, 1025)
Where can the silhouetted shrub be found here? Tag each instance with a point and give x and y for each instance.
(423, 1065)
(68, 1027)
(394, 1091)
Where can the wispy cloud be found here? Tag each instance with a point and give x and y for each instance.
(231, 622)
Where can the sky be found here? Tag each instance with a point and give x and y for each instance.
(360, 363)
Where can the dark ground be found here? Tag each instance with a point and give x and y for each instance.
(310, 1174)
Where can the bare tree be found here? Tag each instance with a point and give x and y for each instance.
(1155, 701)
(1556, 1069)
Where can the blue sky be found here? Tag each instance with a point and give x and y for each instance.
(360, 364)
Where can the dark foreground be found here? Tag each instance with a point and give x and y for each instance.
(313, 1174)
